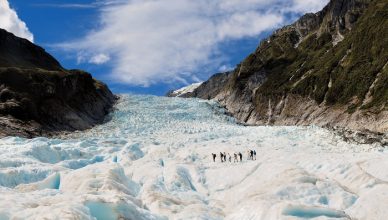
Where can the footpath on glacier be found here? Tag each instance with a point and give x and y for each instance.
(153, 160)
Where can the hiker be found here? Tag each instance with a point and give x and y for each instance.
(254, 154)
(230, 158)
(240, 154)
(235, 158)
(214, 157)
(222, 157)
(251, 154)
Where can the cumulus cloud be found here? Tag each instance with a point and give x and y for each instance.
(10, 21)
(149, 41)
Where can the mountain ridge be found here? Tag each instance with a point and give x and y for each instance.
(19, 52)
(38, 97)
(326, 69)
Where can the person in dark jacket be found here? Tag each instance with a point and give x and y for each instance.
(214, 157)
(240, 155)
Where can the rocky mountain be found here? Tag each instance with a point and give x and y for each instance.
(39, 97)
(328, 69)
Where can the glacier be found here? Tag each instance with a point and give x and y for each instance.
(152, 160)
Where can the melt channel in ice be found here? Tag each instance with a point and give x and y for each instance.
(152, 160)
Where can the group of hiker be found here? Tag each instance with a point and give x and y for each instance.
(237, 156)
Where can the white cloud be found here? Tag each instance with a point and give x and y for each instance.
(151, 41)
(308, 5)
(225, 68)
(10, 21)
(99, 59)
(96, 4)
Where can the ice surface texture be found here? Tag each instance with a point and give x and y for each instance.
(152, 160)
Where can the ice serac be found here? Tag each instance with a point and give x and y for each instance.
(39, 97)
(329, 69)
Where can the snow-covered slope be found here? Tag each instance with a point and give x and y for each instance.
(153, 161)
(184, 90)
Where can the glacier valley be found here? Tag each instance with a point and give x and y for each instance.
(152, 160)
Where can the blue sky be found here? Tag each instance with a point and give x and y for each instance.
(153, 46)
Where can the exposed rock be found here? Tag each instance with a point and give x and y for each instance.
(362, 137)
(327, 69)
(39, 97)
(21, 53)
(206, 90)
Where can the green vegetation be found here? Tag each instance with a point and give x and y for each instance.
(339, 75)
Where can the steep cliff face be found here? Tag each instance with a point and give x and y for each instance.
(39, 97)
(328, 69)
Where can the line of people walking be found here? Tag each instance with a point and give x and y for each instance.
(238, 157)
